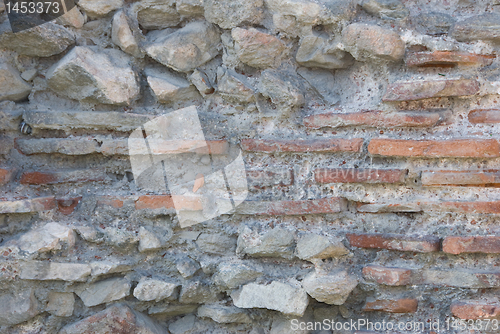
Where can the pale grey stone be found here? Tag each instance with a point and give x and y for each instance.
(196, 292)
(216, 243)
(105, 267)
(61, 304)
(44, 40)
(371, 42)
(386, 9)
(171, 310)
(257, 49)
(150, 289)
(184, 325)
(105, 291)
(86, 74)
(186, 48)
(273, 243)
(479, 27)
(228, 14)
(98, 8)
(283, 88)
(322, 82)
(201, 81)
(224, 314)
(122, 35)
(283, 297)
(72, 18)
(12, 86)
(29, 75)
(190, 7)
(330, 288)
(434, 23)
(230, 275)
(54, 271)
(120, 237)
(313, 246)
(168, 87)
(156, 14)
(234, 87)
(51, 236)
(148, 240)
(17, 308)
(186, 266)
(317, 51)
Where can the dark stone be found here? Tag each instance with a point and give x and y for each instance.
(434, 23)
(481, 27)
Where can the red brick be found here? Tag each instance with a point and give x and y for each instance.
(462, 178)
(68, 204)
(471, 244)
(259, 178)
(302, 145)
(465, 207)
(168, 146)
(459, 148)
(28, 205)
(300, 207)
(447, 59)
(388, 275)
(166, 202)
(487, 116)
(113, 201)
(392, 306)
(390, 207)
(6, 175)
(475, 309)
(373, 118)
(418, 90)
(359, 175)
(395, 242)
(83, 175)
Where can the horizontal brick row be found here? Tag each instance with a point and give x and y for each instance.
(482, 207)
(460, 278)
(359, 175)
(67, 176)
(404, 305)
(476, 309)
(375, 118)
(461, 178)
(447, 59)
(418, 90)
(484, 116)
(64, 205)
(302, 145)
(107, 147)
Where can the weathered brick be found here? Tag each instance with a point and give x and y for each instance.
(404, 305)
(173, 146)
(264, 177)
(475, 309)
(399, 242)
(301, 145)
(457, 148)
(418, 90)
(68, 146)
(68, 176)
(28, 205)
(390, 207)
(492, 207)
(113, 201)
(6, 144)
(68, 204)
(166, 202)
(459, 278)
(300, 207)
(359, 175)
(374, 118)
(447, 59)
(6, 175)
(111, 120)
(388, 275)
(463, 178)
(488, 116)
(471, 244)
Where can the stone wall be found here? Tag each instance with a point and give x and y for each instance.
(368, 130)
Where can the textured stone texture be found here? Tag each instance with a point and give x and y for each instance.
(12, 86)
(17, 308)
(105, 291)
(229, 13)
(330, 288)
(482, 27)
(256, 48)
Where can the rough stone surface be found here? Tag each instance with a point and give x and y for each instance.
(44, 40)
(234, 87)
(12, 86)
(115, 319)
(52, 236)
(54, 271)
(150, 289)
(168, 87)
(313, 246)
(96, 8)
(434, 23)
(17, 308)
(483, 27)
(330, 288)
(317, 51)
(283, 297)
(231, 275)
(123, 36)
(105, 291)
(229, 13)
(156, 14)
(274, 243)
(283, 88)
(370, 42)
(186, 48)
(322, 83)
(61, 304)
(216, 243)
(386, 9)
(257, 49)
(86, 74)
(223, 314)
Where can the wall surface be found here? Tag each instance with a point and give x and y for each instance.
(369, 166)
